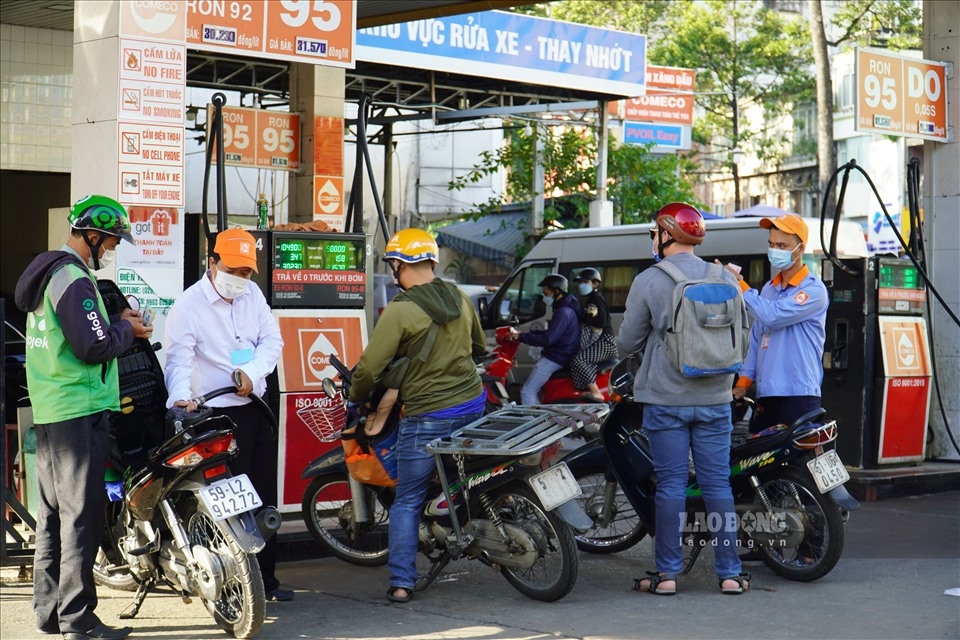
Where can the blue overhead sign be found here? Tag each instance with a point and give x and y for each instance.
(666, 137)
(510, 46)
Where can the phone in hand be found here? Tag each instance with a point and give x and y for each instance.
(148, 316)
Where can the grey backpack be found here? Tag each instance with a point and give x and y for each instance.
(709, 324)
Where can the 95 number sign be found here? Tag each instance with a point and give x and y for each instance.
(901, 96)
(259, 138)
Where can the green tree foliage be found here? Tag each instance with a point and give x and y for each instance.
(639, 182)
(634, 16)
(745, 54)
(892, 24)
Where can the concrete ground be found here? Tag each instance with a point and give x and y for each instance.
(900, 556)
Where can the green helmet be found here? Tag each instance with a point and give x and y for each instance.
(100, 213)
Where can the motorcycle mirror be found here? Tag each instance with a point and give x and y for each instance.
(329, 388)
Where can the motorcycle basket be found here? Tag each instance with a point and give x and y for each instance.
(325, 420)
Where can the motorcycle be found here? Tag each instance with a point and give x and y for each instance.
(788, 488)
(178, 516)
(511, 509)
(559, 389)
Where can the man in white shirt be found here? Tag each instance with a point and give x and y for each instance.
(221, 331)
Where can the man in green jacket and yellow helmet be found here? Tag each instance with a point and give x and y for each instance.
(72, 379)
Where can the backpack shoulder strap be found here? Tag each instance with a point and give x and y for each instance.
(715, 272)
(427, 345)
(672, 270)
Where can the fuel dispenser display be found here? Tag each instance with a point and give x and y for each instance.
(316, 285)
(877, 374)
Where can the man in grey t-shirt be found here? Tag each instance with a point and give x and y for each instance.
(680, 413)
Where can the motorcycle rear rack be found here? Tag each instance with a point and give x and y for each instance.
(518, 431)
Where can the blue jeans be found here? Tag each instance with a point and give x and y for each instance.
(541, 372)
(673, 432)
(415, 468)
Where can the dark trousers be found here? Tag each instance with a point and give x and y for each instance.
(773, 410)
(71, 460)
(257, 457)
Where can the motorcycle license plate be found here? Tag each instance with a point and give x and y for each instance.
(555, 486)
(828, 471)
(230, 497)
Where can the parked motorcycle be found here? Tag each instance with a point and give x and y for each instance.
(787, 487)
(186, 521)
(512, 510)
(559, 389)
(178, 516)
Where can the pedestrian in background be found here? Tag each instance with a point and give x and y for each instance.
(560, 340)
(221, 333)
(72, 350)
(597, 342)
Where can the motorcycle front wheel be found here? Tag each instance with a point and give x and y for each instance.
(793, 490)
(240, 608)
(555, 572)
(109, 569)
(624, 529)
(328, 512)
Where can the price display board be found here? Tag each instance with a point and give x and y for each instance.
(901, 96)
(318, 270)
(259, 138)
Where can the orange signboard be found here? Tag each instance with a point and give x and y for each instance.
(328, 145)
(310, 337)
(669, 97)
(310, 31)
(259, 138)
(318, 31)
(901, 96)
(226, 26)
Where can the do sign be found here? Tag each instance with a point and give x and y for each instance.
(901, 96)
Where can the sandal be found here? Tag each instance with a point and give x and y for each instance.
(653, 583)
(393, 597)
(743, 584)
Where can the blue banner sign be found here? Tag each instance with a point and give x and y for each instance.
(496, 44)
(665, 136)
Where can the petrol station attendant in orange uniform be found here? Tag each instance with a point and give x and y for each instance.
(219, 329)
(785, 355)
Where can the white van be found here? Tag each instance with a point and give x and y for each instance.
(620, 253)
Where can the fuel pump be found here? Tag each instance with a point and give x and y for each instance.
(877, 372)
(316, 285)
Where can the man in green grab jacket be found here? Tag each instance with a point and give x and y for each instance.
(73, 384)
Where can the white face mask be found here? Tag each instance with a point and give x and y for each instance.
(105, 260)
(228, 285)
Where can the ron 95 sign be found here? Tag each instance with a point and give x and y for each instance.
(901, 96)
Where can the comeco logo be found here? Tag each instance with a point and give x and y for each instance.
(316, 347)
(905, 349)
(154, 16)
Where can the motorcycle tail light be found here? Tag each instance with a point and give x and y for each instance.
(201, 451)
(542, 457)
(532, 460)
(817, 437)
(213, 472)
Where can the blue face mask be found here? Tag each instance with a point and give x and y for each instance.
(656, 256)
(585, 288)
(780, 258)
(548, 300)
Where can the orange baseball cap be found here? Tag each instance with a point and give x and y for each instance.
(788, 223)
(236, 248)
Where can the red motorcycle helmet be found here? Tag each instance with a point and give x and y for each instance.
(683, 222)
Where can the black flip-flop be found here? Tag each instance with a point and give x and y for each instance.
(393, 597)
